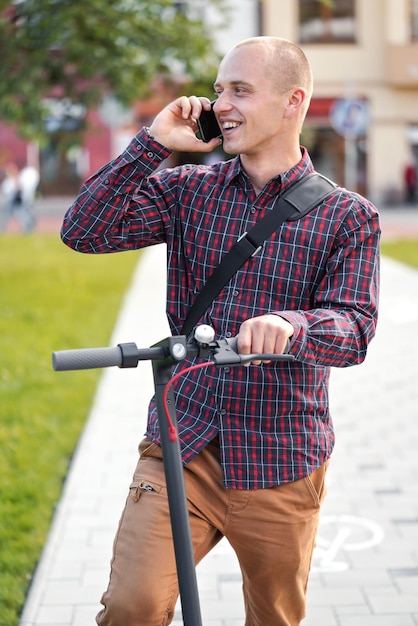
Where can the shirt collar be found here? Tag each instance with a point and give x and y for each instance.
(302, 168)
(234, 169)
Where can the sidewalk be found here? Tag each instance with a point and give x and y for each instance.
(365, 570)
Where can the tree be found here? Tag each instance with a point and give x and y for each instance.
(76, 52)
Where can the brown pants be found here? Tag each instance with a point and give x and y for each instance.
(271, 530)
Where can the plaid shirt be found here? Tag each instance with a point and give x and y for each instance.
(320, 273)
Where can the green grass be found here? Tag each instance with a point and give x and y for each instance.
(404, 250)
(51, 298)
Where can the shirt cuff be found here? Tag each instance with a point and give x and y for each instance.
(147, 149)
(299, 326)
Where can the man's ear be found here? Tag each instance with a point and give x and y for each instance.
(296, 100)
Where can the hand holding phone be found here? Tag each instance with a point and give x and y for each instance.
(208, 124)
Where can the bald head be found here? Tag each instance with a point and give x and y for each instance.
(285, 64)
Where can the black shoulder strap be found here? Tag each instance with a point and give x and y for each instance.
(296, 202)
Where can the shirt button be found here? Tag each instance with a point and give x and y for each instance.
(150, 155)
(223, 411)
(227, 370)
(228, 334)
(253, 210)
(107, 181)
(235, 293)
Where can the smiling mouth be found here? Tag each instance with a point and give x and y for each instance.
(230, 125)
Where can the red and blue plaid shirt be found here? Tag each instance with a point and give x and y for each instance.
(320, 273)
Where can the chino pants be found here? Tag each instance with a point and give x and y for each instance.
(271, 530)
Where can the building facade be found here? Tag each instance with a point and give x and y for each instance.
(362, 127)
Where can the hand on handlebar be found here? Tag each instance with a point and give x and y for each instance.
(266, 334)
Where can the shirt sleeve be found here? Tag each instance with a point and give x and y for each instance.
(338, 329)
(118, 208)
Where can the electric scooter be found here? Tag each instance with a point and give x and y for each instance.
(165, 354)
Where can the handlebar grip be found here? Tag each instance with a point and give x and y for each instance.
(86, 358)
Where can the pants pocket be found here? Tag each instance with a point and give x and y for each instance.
(316, 483)
(141, 486)
(149, 476)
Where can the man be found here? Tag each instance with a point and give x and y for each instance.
(255, 441)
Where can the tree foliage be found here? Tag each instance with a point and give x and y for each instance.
(77, 51)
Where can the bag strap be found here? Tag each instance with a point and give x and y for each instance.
(296, 202)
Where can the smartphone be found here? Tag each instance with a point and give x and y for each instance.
(208, 125)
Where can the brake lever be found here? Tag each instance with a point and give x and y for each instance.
(224, 353)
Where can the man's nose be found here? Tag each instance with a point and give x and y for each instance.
(222, 103)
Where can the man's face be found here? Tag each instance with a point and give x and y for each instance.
(249, 107)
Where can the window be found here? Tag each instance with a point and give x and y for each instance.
(327, 21)
(414, 20)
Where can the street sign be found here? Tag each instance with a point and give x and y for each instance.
(349, 117)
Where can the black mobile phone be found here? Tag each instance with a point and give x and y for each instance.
(208, 124)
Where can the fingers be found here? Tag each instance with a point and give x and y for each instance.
(208, 146)
(191, 107)
(266, 334)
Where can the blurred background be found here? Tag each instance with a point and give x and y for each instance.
(79, 79)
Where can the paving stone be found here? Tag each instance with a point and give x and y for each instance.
(323, 616)
(376, 620)
(394, 603)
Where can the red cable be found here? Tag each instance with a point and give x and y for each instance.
(172, 433)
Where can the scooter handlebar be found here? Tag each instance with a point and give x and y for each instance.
(86, 358)
(123, 355)
(223, 352)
